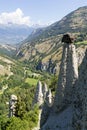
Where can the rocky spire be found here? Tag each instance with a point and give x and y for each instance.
(44, 90)
(12, 105)
(46, 108)
(67, 75)
(38, 98)
(80, 98)
(49, 98)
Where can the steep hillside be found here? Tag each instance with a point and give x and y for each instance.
(75, 21)
(5, 66)
(8, 49)
(45, 43)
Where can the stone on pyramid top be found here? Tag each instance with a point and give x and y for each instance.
(67, 38)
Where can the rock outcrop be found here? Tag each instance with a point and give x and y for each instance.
(44, 90)
(49, 98)
(38, 98)
(59, 121)
(80, 98)
(48, 66)
(60, 115)
(46, 108)
(68, 74)
(12, 105)
(69, 110)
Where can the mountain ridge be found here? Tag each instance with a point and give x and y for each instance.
(13, 33)
(46, 43)
(72, 22)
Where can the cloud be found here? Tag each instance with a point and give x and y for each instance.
(16, 17)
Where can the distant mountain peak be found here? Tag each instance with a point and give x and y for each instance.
(13, 33)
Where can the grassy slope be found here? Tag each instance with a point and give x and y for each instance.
(31, 81)
(81, 43)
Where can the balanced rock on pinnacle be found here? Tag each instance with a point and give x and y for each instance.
(68, 74)
(67, 38)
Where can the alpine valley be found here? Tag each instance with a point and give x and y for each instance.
(43, 76)
(44, 44)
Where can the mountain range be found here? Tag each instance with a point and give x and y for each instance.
(45, 43)
(13, 34)
(35, 44)
(76, 21)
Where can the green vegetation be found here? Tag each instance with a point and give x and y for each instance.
(81, 43)
(17, 70)
(25, 118)
(31, 81)
(21, 83)
(24, 77)
(53, 83)
(29, 121)
(2, 63)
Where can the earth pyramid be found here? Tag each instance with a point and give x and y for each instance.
(68, 74)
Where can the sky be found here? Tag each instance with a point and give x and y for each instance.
(42, 12)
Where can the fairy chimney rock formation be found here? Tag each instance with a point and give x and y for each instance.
(44, 90)
(46, 108)
(80, 99)
(49, 98)
(68, 74)
(12, 105)
(38, 98)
